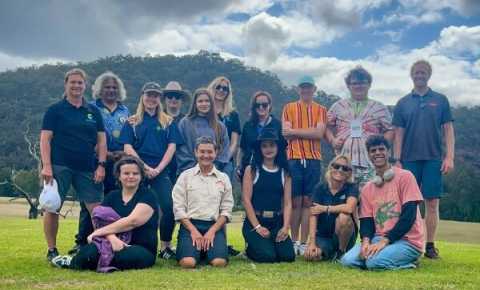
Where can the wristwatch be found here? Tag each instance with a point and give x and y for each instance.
(102, 163)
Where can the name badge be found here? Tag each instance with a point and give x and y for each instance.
(356, 128)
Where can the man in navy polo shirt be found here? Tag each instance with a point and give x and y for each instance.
(71, 132)
(108, 93)
(420, 119)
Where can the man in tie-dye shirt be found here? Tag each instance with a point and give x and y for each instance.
(352, 120)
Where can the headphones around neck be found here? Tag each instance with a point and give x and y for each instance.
(388, 175)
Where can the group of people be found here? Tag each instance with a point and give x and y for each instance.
(135, 174)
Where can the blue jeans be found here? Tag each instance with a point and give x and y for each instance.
(399, 255)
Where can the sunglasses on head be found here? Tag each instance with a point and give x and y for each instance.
(261, 105)
(226, 89)
(341, 167)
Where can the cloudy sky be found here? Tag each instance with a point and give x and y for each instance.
(323, 38)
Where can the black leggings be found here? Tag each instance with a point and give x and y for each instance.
(132, 257)
(162, 187)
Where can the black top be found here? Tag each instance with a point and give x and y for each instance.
(232, 122)
(250, 135)
(323, 196)
(145, 235)
(267, 191)
(74, 134)
(422, 118)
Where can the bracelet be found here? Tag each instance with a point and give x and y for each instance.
(255, 228)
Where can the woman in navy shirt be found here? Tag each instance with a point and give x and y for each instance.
(333, 229)
(268, 202)
(260, 118)
(153, 138)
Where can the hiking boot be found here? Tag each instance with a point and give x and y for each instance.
(167, 254)
(62, 261)
(432, 253)
(52, 253)
(73, 251)
(232, 252)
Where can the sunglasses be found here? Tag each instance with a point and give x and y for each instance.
(173, 96)
(226, 89)
(341, 167)
(262, 105)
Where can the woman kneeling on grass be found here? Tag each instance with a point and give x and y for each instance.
(333, 229)
(266, 185)
(130, 240)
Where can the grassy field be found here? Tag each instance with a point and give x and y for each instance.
(23, 266)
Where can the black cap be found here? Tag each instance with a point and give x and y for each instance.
(268, 134)
(152, 87)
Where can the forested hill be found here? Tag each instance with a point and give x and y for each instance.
(26, 93)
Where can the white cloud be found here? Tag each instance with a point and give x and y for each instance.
(11, 62)
(459, 41)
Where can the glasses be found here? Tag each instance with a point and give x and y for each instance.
(110, 87)
(341, 167)
(359, 83)
(225, 89)
(261, 105)
(173, 96)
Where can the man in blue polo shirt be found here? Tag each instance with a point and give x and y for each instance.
(420, 119)
(71, 131)
(108, 93)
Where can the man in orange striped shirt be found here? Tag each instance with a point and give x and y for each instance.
(303, 125)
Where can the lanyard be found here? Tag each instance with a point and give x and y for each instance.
(358, 106)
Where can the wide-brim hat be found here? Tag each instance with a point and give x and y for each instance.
(174, 87)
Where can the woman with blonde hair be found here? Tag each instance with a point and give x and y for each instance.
(201, 121)
(333, 230)
(153, 137)
(221, 90)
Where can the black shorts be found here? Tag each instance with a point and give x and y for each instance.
(186, 249)
(329, 245)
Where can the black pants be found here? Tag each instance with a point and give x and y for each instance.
(162, 187)
(267, 250)
(132, 257)
(85, 227)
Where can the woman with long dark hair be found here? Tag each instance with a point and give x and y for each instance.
(260, 118)
(268, 202)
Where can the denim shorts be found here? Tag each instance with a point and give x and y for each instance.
(428, 176)
(305, 175)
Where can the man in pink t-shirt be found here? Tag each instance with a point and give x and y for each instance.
(391, 227)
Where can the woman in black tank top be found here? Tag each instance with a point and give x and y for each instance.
(267, 201)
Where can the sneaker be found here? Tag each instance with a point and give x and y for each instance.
(302, 248)
(232, 252)
(52, 253)
(296, 246)
(432, 253)
(62, 261)
(73, 251)
(167, 254)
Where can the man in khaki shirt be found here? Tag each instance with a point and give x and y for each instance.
(202, 202)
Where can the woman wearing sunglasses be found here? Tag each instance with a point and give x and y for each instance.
(333, 230)
(260, 119)
(221, 90)
(267, 200)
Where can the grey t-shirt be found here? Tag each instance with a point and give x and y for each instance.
(422, 118)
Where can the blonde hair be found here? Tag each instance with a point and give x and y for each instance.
(329, 169)
(76, 71)
(228, 103)
(100, 81)
(424, 62)
(163, 119)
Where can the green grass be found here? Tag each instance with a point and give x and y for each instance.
(23, 266)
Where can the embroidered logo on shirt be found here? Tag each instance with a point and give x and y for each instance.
(342, 197)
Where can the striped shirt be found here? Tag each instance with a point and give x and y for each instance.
(303, 116)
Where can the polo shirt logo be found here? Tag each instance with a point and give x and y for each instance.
(159, 128)
(122, 120)
(342, 197)
(89, 116)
